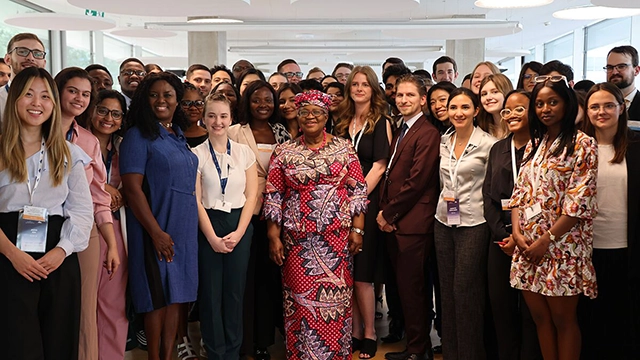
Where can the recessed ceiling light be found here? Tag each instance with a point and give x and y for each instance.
(590, 12)
(508, 4)
(211, 20)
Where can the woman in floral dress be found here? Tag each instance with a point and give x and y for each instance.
(316, 191)
(554, 205)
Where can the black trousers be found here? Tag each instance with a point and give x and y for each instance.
(40, 319)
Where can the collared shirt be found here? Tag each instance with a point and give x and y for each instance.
(470, 177)
(96, 173)
(71, 199)
(628, 100)
(409, 123)
(126, 99)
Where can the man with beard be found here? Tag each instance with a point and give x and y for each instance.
(24, 50)
(389, 77)
(622, 68)
(131, 74)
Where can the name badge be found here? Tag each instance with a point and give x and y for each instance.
(453, 212)
(449, 195)
(222, 206)
(505, 204)
(533, 211)
(32, 229)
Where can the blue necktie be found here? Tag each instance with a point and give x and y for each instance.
(403, 132)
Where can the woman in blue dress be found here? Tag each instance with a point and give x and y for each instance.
(159, 176)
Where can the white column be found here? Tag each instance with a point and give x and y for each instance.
(208, 48)
(466, 53)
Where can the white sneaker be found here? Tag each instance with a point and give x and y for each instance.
(185, 350)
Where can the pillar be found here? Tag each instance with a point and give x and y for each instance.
(207, 47)
(467, 54)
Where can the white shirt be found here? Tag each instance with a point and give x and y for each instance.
(470, 177)
(240, 160)
(610, 226)
(409, 123)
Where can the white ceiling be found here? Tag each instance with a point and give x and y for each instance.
(324, 32)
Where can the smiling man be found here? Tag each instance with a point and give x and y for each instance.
(200, 76)
(445, 69)
(24, 50)
(622, 68)
(408, 205)
(291, 70)
(131, 74)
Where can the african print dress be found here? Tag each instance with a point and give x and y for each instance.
(566, 185)
(314, 194)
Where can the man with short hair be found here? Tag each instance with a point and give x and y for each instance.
(240, 66)
(131, 74)
(392, 61)
(555, 68)
(23, 50)
(101, 78)
(200, 77)
(409, 194)
(622, 69)
(389, 77)
(220, 74)
(291, 70)
(5, 73)
(445, 69)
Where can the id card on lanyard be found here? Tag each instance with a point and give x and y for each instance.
(221, 204)
(451, 195)
(32, 220)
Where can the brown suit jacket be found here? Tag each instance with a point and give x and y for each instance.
(409, 193)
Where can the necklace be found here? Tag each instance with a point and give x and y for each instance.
(353, 127)
(167, 125)
(324, 142)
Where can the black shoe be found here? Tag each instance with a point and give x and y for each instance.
(397, 355)
(393, 337)
(262, 354)
(437, 349)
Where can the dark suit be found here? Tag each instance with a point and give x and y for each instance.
(634, 108)
(408, 201)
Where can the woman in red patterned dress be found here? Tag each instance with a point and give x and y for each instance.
(316, 191)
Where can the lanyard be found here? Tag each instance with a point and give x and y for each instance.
(223, 182)
(514, 169)
(108, 163)
(454, 175)
(70, 133)
(358, 138)
(38, 174)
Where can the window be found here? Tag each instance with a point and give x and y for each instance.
(560, 49)
(599, 39)
(8, 9)
(114, 52)
(78, 49)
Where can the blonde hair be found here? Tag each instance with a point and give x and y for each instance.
(347, 108)
(485, 119)
(12, 154)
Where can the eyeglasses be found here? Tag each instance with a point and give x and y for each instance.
(315, 112)
(103, 111)
(292, 74)
(608, 107)
(619, 67)
(552, 78)
(342, 75)
(24, 52)
(518, 111)
(129, 72)
(333, 96)
(529, 76)
(188, 103)
(240, 69)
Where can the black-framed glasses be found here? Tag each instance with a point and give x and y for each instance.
(103, 111)
(292, 74)
(188, 103)
(131, 72)
(619, 67)
(518, 111)
(24, 52)
(552, 78)
(315, 112)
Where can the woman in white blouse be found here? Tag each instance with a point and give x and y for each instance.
(46, 215)
(461, 232)
(226, 189)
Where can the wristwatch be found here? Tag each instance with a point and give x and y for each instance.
(357, 231)
(551, 236)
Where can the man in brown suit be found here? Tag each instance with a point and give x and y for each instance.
(408, 203)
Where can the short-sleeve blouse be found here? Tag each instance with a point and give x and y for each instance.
(238, 162)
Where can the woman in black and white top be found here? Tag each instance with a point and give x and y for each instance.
(226, 188)
(610, 322)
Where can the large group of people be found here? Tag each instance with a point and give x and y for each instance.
(255, 204)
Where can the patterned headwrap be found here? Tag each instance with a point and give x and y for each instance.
(313, 97)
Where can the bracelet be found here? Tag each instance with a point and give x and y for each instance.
(357, 231)
(551, 236)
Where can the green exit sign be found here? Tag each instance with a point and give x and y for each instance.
(95, 13)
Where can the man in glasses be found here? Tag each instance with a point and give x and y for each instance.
(131, 74)
(24, 50)
(622, 69)
(240, 66)
(291, 70)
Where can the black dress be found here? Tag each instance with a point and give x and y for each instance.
(372, 147)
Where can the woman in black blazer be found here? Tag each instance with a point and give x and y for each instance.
(610, 323)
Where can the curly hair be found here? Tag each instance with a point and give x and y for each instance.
(244, 108)
(140, 113)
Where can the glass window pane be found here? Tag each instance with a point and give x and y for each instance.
(78, 49)
(600, 38)
(560, 49)
(114, 52)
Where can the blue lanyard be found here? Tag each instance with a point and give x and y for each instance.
(223, 182)
(70, 133)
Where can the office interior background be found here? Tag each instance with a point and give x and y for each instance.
(323, 32)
